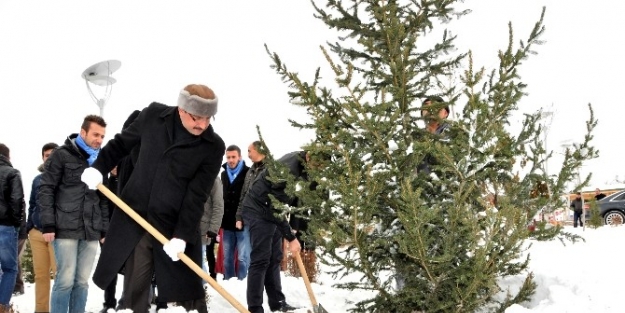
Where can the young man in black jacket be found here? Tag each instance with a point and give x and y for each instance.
(234, 238)
(73, 217)
(42, 251)
(11, 216)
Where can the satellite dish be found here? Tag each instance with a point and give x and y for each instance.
(99, 74)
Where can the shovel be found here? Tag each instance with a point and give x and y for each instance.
(183, 257)
(317, 308)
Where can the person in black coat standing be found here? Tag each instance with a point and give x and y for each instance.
(73, 217)
(11, 216)
(178, 159)
(266, 234)
(234, 238)
(578, 209)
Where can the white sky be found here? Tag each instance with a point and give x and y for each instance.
(164, 46)
(570, 279)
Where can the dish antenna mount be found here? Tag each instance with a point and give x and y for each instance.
(99, 74)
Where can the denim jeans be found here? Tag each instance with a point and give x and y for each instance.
(204, 267)
(8, 262)
(239, 240)
(74, 261)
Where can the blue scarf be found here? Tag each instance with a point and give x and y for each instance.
(93, 153)
(233, 172)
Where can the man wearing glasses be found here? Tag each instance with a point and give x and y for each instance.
(179, 158)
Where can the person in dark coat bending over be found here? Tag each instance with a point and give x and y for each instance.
(179, 157)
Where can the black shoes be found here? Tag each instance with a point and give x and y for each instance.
(284, 307)
(106, 308)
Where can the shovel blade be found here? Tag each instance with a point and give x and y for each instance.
(319, 309)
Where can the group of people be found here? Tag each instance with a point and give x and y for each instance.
(165, 164)
(577, 205)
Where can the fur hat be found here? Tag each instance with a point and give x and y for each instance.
(197, 105)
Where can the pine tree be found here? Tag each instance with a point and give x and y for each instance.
(451, 234)
(28, 272)
(595, 220)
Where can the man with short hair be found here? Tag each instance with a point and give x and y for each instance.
(44, 264)
(578, 209)
(179, 155)
(434, 124)
(11, 215)
(74, 219)
(234, 238)
(599, 195)
(434, 111)
(266, 234)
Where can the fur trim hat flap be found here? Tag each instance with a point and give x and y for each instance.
(197, 105)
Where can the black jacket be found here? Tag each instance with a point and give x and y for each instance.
(34, 219)
(68, 207)
(295, 162)
(425, 167)
(250, 176)
(257, 202)
(168, 187)
(12, 195)
(577, 206)
(232, 196)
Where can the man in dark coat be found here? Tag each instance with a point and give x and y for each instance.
(578, 209)
(73, 217)
(11, 216)
(179, 158)
(266, 234)
(296, 162)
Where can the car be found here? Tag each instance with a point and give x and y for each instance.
(612, 208)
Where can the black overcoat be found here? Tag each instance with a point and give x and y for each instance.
(168, 187)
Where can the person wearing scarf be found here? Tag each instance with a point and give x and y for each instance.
(233, 257)
(73, 217)
(92, 152)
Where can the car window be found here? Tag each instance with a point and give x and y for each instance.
(620, 197)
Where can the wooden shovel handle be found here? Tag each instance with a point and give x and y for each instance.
(183, 257)
(302, 271)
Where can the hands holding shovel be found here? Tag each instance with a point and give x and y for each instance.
(93, 178)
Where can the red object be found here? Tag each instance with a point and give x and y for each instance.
(219, 261)
(532, 227)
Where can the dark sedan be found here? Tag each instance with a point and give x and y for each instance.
(612, 208)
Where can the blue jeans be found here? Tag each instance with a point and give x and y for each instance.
(239, 240)
(8, 262)
(204, 267)
(74, 261)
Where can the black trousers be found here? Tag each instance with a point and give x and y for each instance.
(19, 281)
(138, 280)
(210, 258)
(264, 270)
(109, 292)
(577, 216)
